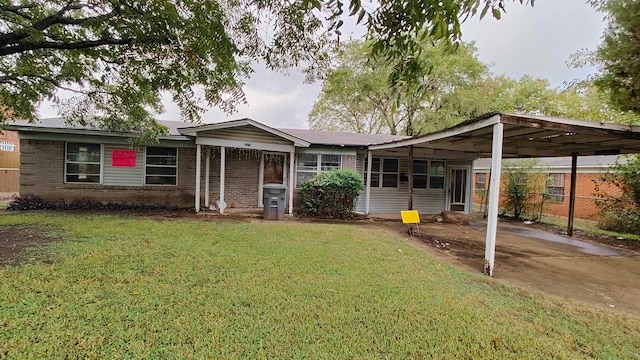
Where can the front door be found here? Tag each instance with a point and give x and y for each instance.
(458, 188)
(273, 170)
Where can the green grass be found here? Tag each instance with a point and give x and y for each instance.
(141, 288)
(590, 227)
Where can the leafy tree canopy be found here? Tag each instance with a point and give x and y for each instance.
(120, 56)
(356, 96)
(619, 54)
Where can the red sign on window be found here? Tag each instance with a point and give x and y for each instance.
(123, 157)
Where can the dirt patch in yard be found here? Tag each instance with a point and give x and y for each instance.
(21, 243)
(576, 268)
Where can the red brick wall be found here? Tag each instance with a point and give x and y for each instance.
(10, 136)
(585, 207)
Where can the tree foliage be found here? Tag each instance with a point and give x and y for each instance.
(356, 95)
(619, 54)
(119, 57)
(524, 188)
(618, 191)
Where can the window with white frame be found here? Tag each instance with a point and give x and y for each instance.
(420, 179)
(161, 166)
(384, 172)
(436, 174)
(310, 165)
(83, 163)
(555, 187)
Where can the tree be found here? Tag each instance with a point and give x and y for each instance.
(524, 188)
(619, 54)
(119, 56)
(618, 191)
(356, 95)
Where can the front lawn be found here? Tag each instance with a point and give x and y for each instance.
(120, 287)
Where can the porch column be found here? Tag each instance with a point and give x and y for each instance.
(198, 160)
(368, 186)
(494, 195)
(291, 181)
(410, 185)
(207, 159)
(221, 204)
(572, 193)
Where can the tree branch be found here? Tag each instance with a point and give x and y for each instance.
(78, 45)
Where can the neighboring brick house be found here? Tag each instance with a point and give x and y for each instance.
(9, 163)
(589, 169)
(9, 141)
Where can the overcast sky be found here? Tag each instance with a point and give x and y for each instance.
(535, 41)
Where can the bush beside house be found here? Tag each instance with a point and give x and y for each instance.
(332, 194)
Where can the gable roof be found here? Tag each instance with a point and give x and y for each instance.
(58, 125)
(194, 130)
(334, 138)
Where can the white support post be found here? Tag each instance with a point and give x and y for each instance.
(291, 181)
(198, 160)
(494, 194)
(221, 204)
(207, 158)
(368, 186)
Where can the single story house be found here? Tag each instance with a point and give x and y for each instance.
(589, 169)
(225, 165)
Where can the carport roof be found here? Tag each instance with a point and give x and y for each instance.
(529, 136)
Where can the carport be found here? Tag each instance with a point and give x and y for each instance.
(498, 136)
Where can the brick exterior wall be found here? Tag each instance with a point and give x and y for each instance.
(242, 169)
(10, 136)
(42, 174)
(585, 207)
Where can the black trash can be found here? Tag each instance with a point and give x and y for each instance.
(274, 200)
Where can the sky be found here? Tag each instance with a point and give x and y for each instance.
(527, 40)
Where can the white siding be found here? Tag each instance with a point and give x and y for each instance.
(394, 200)
(122, 175)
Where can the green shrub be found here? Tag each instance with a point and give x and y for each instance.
(332, 194)
(523, 187)
(620, 208)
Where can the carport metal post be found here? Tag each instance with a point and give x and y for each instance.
(410, 179)
(572, 193)
(198, 160)
(207, 159)
(221, 204)
(494, 196)
(368, 186)
(291, 181)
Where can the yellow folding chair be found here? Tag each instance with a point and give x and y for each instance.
(412, 219)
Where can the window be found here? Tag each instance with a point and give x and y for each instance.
(161, 166)
(7, 146)
(436, 174)
(310, 165)
(481, 181)
(555, 187)
(83, 163)
(384, 172)
(420, 174)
